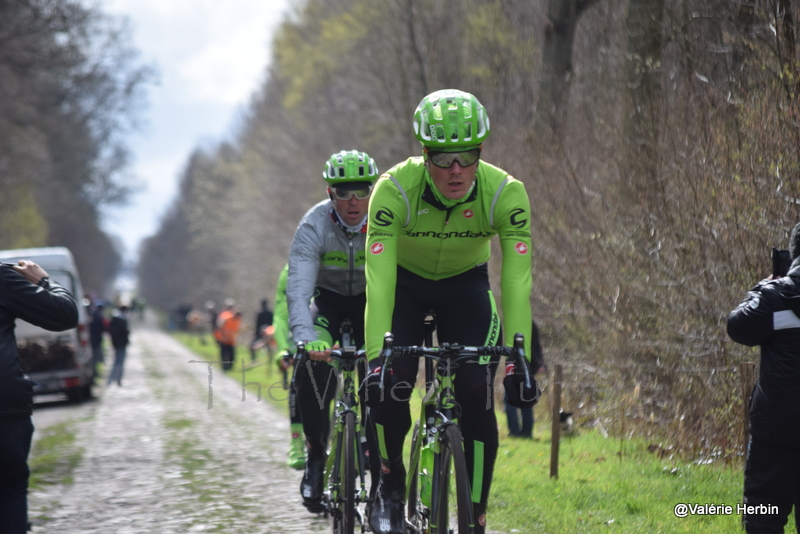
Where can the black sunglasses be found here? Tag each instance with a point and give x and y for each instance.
(445, 160)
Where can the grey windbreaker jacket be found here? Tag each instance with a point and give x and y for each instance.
(324, 255)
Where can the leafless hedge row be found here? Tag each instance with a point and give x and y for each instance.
(658, 141)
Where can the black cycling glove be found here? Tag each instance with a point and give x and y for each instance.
(371, 393)
(517, 394)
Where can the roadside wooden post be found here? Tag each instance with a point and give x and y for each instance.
(555, 435)
(747, 379)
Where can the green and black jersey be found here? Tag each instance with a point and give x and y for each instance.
(280, 319)
(410, 228)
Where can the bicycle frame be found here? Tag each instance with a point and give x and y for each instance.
(345, 466)
(438, 428)
(346, 407)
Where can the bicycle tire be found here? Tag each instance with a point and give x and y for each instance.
(344, 518)
(451, 457)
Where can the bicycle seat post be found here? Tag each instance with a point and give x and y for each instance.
(430, 370)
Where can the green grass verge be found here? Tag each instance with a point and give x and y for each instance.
(260, 377)
(602, 485)
(599, 488)
(54, 456)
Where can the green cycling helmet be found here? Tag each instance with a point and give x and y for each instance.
(350, 166)
(451, 120)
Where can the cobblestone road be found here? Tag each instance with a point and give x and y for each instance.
(156, 459)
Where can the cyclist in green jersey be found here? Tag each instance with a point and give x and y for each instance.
(431, 219)
(285, 348)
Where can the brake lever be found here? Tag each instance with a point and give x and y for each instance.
(520, 361)
(387, 353)
(298, 359)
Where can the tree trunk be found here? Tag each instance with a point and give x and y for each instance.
(559, 36)
(643, 119)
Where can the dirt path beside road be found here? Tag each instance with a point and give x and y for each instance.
(156, 459)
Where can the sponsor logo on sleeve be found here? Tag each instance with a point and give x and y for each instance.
(522, 248)
(384, 217)
(376, 248)
(515, 218)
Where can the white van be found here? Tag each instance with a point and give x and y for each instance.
(56, 361)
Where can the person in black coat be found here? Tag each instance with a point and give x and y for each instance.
(520, 420)
(263, 319)
(770, 317)
(27, 293)
(119, 332)
(97, 329)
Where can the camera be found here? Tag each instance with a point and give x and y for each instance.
(781, 261)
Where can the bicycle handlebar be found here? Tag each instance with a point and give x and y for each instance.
(456, 351)
(342, 354)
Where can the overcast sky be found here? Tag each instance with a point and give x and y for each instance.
(211, 56)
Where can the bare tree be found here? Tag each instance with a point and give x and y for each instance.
(69, 90)
(559, 34)
(671, 172)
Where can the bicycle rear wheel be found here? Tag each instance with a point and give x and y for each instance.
(451, 502)
(344, 515)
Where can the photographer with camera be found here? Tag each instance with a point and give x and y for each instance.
(770, 317)
(27, 293)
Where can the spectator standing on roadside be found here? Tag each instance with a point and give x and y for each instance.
(263, 320)
(119, 332)
(520, 420)
(211, 316)
(27, 293)
(97, 327)
(229, 321)
(770, 317)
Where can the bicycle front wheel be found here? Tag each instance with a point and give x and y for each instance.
(413, 501)
(451, 502)
(344, 516)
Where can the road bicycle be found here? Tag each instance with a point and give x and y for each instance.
(438, 491)
(344, 487)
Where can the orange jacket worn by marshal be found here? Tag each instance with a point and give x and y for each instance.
(228, 326)
(410, 227)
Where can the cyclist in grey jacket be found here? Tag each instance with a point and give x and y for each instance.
(326, 268)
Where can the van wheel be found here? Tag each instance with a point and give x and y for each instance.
(76, 394)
